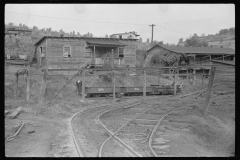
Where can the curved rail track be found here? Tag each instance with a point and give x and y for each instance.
(79, 148)
(156, 127)
(112, 135)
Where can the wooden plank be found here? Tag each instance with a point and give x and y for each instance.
(83, 85)
(210, 85)
(41, 95)
(15, 113)
(16, 89)
(175, 86)
(145, 84)
(194, 77)
(28, 82)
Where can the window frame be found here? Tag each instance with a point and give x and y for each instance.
(68, 53)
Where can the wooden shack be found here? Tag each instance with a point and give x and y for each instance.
(72, 52)
(200, 56)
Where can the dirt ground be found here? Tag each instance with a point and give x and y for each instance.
(48, 134)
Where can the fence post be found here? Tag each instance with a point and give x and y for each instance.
(83, 85)
(145, 84)
(174, 85)
(210, 84)
(194, 76)
(114, 92)
(16, 89)
(42, 92)
(28, 82)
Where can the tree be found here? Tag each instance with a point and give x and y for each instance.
(147, 40)
(194, 42)
(223, 31)
(160, 42)
(106, 36)
(203, 35)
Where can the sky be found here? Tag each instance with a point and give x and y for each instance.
(172, 21)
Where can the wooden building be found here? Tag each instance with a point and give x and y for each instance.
(129, 35)
(199, 56)
(225, 70)
(71, 52)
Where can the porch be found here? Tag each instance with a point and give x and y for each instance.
(107, 52)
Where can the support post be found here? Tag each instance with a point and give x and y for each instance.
(210, 60)
(114, 92)
(194, 76)
(42, 92)
(28, 82)
(210, 84)
(83, 85)
(145, 84)
(174, 85)
(16, 89)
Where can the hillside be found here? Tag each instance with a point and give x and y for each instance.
(226, 40)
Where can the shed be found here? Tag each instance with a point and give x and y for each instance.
(195, 55)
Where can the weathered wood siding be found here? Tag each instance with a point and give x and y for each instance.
(55, 50)
(129, 52)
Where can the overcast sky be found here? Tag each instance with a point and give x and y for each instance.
(173, 21)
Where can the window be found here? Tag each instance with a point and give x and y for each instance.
(67, 51)
(121, 52)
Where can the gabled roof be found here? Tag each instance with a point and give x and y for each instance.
(225, 62)
(104, 42)
(85, 38)
(197, 50)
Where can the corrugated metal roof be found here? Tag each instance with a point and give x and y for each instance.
(225, 62)
(85, 38)
(104, 42)
(197, 50)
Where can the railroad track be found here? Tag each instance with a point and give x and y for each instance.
(104, 109)
(79, 148)
(148, 138)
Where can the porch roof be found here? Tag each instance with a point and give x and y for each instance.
(104, 42)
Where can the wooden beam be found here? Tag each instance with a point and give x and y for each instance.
(194, 76)
(28, 82)
(41, 95)
(175, 89)
(145, 84)
(16, 89)
(114, 87)
(210, 85)
(83, 85)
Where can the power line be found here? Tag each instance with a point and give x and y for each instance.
(94, 21)
(76, 19)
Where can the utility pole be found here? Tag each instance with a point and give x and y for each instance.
(152, 32)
